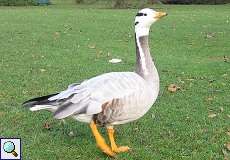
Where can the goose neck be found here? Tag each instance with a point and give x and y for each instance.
(145, 66)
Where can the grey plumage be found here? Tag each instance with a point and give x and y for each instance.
(111, 98)
(88, 98)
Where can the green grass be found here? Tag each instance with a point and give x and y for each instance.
(43, 49)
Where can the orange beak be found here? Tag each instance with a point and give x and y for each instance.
(160, 15)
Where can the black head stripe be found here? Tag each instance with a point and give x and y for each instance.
(141, 14)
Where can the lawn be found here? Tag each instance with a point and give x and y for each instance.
(43, 49)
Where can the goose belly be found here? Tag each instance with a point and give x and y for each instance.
(131, 109)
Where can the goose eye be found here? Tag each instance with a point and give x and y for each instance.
(145, 14)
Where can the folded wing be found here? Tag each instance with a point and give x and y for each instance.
(89, 96)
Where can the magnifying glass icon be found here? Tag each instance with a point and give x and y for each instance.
(9, 147)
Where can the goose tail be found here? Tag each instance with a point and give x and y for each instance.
(40, 103)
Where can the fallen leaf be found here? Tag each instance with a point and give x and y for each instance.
(71, 134)
(225, 153)
(210, 35)
(42, 70)
(211, 80)
(222, 109)
(46, 126)
(228, 132)
(115, 60)
(226, 59)
(228, 146)
(173, 88)
(24, 91)
(92, 46)
(56, 34)
(98, 53)
(211, 115)
(210, 98)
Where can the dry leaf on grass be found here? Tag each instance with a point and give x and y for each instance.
(46, 125)
(71, 134)
(115, 60)
(228, 132)
(225, 153)
(92, 46)
(173, 88)
(98, 53)
(210, 35)
(226, 59)
(210, 98)
(56, 35)
(42, 70)
(228, 146)
(222, 109)
(211, 115)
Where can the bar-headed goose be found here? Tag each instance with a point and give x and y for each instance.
(111, 98)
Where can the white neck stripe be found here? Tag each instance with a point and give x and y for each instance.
(142, 56)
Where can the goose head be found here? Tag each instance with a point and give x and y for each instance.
(145, 18)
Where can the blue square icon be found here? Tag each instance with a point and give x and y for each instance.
(10, 149)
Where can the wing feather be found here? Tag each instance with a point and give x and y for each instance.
(89, 96)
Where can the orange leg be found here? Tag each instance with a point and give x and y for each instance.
(100, 140)
(114, 147)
